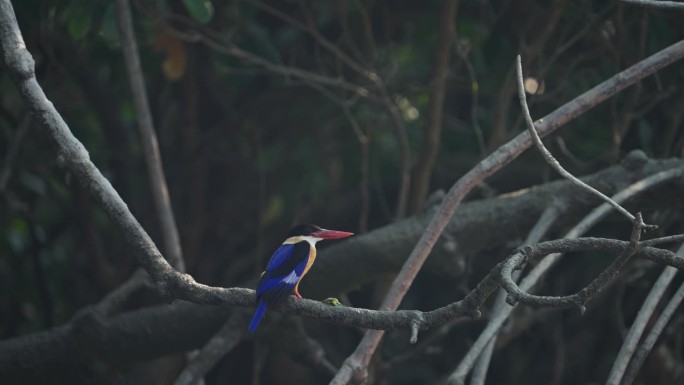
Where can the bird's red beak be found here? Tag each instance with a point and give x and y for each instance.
(331, 234)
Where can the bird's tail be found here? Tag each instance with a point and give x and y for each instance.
(258, 315)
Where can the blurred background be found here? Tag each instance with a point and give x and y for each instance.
(344, 113)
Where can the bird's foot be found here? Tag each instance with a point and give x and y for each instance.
(299, 296)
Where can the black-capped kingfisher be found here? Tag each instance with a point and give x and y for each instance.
(288, 265)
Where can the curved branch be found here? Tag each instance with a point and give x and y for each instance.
(547, 154)
(626, 250)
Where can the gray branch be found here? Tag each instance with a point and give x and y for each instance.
(658, 4)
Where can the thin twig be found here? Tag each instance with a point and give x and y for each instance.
(298, 73)
(547, 154)
(333, 48)
(664, 5)
(155, 170)
(668, 239)
(277, 13)
(579, 299)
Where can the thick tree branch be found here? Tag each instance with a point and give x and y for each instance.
(149, 333)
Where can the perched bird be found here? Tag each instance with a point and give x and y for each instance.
(288, 265)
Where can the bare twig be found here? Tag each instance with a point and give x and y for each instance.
(578, 299)
(295, 72)
(547, 154)
(665, 5)
(333, 48)
(277, 13)
(155, 170)
(667, 239)
(356, 364)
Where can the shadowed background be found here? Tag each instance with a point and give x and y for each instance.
(274, 114)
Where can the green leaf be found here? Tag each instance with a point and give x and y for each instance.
(200, 10)
(333, 301)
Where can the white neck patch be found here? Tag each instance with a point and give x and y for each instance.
(299, 238)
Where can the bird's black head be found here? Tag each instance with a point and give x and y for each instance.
(302, 230)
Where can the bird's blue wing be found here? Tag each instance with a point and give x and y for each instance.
(279, 256)
(270, 283)
(288, 258)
